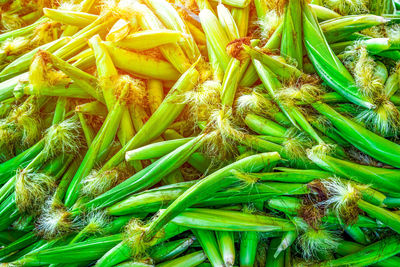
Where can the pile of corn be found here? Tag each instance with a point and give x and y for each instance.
(200, 133)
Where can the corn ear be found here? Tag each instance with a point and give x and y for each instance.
(291, 43)
(382, 179)
(79, 40)
(203, 188)
(172, 52)
(390, 219)
(169, 250)
(155, 150)
(273, 260)
(241, 17)
(74, 18)
(102, 142)
(209, 244)
(167, 112)
(327, 65)
(227, 22)
(23, 31)
(155, 94)
(226, 243)
(323, 13)
(248, 248)
(22, 63)
(79, 252)
(339, 28)
(236, 3)
(233, 221)
(371, 254)
(365, 140)
(148, 39)
(147, 66)
(189, 260)
(216, 37)
(150, 175)
(172, 20)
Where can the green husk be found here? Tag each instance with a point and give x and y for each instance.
(189, 260)
(232, 221)
(149, 21)
(79, 40)
(22, 63)
(171, 19)
(154, 199)
(148, 39)
(92, 108)
(148, 176)
(339, 28)
(292, 35)
(383, 179)
(74, 18)
(216, 37)
(226, 242)
(327, 65)
(7, 237)
(23, 31)
(71, 90)
(227, 22)
(272, 84)
(272, 259)
(357, 234)
(79, 252)
(87, 130)
(8, 168)
(380, 7)
(230, 82)
(208, 186)
(8, 207)
(241, 17)
(248, 248)
(284, 71)
(347, 247)
(323, 13)
(155, 150)
(264, 126)
(101, 142)
(363, 139)
(292, 206)
(371, 254)
(170, 249)
(151, 200)
(129, 247)
(149, 67)
(258, 192)
(390, 219)
(86, 81)
(210, 246)
(7, 86)
(166, 113)
(20, 243)
(108, 76)
(287, 240)
(236, 3)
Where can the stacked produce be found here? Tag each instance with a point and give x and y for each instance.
(200, 133)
